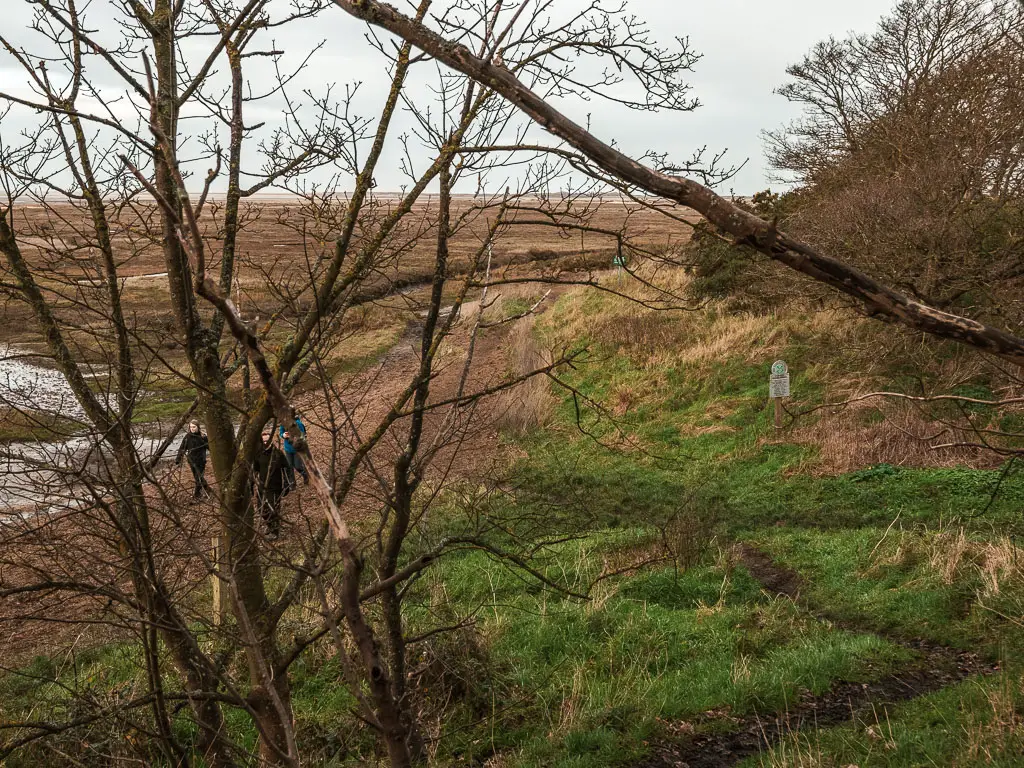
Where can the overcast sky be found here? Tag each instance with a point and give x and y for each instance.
(746, 46)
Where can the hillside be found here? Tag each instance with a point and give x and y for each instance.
(705, 589)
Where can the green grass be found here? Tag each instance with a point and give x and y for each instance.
(905, 582)
(546, 680)
(568, 682)
(363, 349)
(708, 430)
(513, 306)
(596, 679)
(974, 723)
(60, 690)
(162, 408)
(747, 484)
(25, 426)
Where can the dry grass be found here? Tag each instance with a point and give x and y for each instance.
(803, 748)
(530, 404)
(858, 356)
(278, 243)
(990, 732)
(657, 342)
(885, 432)
(634, 556)
(995, 564)
(954, 557)
(696, 338)
(713, 418)
(1002, 733)
(740, 674)
(853, 355)
(799, 751)
(658, 339)
(278, 238)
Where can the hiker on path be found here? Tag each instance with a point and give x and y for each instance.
(193, 447)
(270, 471)
(295, 462)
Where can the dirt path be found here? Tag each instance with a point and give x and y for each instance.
(465, 445)
(32, 624)
(936, 667)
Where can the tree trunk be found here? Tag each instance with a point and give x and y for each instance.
(392, 725)
(202, 346)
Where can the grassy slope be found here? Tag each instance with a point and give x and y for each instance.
(912, 552)
(589, 683)
(551, 681)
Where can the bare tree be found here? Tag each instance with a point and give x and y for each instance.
(75, 163)
(108, 170)
(358, 556)
(909, 152)
(907, 156)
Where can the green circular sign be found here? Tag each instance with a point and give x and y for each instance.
(779, 368)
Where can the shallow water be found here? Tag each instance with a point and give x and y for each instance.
(34, 474)
(27, 385)
(37, 474)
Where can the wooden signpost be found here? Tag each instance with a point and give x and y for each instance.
(778, 388)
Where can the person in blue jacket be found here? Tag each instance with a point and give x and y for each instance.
(292, 457)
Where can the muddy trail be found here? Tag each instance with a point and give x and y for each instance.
(738, 738)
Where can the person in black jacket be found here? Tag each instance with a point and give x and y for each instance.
(270, 471)
(193, 447)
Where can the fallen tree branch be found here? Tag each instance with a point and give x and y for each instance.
(747, 229)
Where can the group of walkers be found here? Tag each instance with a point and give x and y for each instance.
(274, 469)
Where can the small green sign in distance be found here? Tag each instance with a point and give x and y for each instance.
(779, 368)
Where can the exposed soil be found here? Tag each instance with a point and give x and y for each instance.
(773, 577)
(467, 447)
(750, 735)
(737, 738)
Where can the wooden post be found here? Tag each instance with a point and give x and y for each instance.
(219, 597)
(778, 388)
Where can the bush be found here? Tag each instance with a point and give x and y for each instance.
(742, 277)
